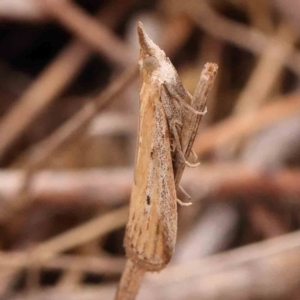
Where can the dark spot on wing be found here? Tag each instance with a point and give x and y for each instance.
(157, 229)
(148, 200)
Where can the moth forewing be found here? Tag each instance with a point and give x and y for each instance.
(151, 230)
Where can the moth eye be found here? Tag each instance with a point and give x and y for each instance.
(150, 63)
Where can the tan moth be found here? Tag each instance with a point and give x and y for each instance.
(152, 227)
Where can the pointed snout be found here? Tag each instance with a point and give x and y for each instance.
(145, 41)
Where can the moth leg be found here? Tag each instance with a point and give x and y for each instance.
(190, 95)
(173, 146)
(205, 108)
(173, 92)
(189, 107)
(185, 193)
(179, 147)
(184, 203)
(205, 111)
(195, 156)
(174, 120)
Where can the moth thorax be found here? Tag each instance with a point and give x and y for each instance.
(150, 63)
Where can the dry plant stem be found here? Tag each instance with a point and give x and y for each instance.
(40, 94)
(21, 10)
(73, 238)
(230, 180)
(242, 126)
(222, 28)
(43, 91)
(81, 234)
(229, 259)
(233, 32)
(71, 278)
(219, 134)
(267, 71)
(192, 121)
(210, 234)
(260, 15)
(256, 279)
(235, 274)
(45, 149)
(89, 30)
(77, 236)
(267, 223)
(238, 180)
(39, 153)
(130, 281)
(215, 274)
(7, 277)
(99, 265)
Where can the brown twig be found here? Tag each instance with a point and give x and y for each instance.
(130, 282)
(107, 265)
(73, 238)
(89, 30)
(21, 10)
(260, 15)
(234, 180)
(92, 188)
(236, 33)
(201, 277)
(228, 275)
(241, 126)
(43, 91)
(80, 235)
(265, 222)
(198, 102)
(40, 152)
(212, 233)
(266, 72)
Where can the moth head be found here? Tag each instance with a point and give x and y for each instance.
(150, 54)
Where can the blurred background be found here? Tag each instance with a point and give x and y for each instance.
(69, 89)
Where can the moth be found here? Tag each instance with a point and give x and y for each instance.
(152, 227)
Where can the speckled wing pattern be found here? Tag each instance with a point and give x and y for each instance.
(151, 230)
